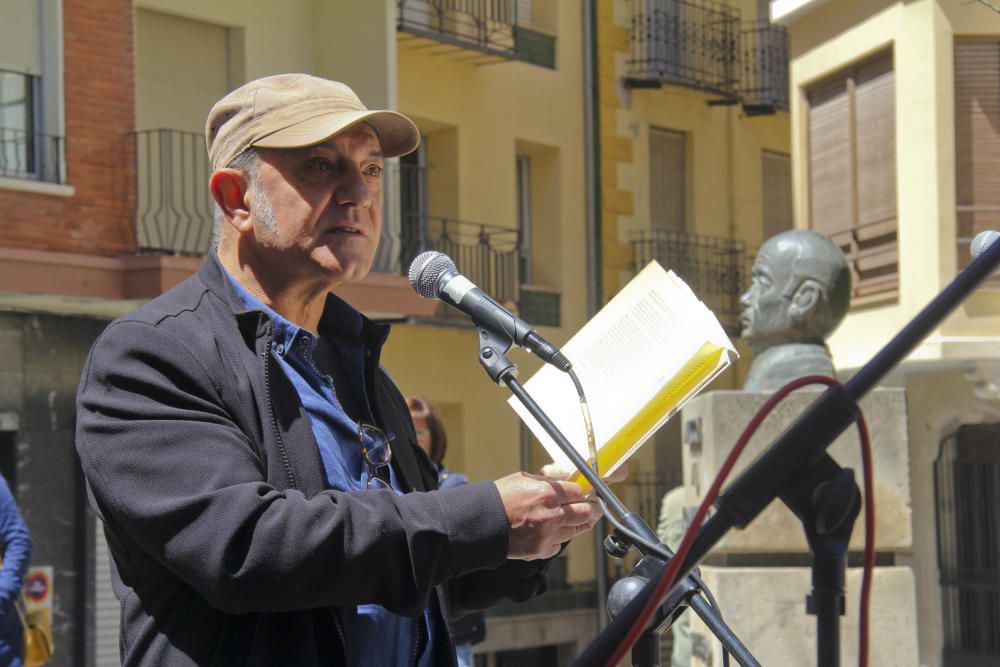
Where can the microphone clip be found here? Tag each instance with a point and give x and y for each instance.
(493, 348)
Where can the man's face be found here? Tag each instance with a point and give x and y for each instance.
(326, 208)
(766, 319)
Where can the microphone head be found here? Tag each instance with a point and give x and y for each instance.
(426, 270)
(982, 241)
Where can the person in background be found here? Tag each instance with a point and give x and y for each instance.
(16, 545)
(433, 439)
(670, 530)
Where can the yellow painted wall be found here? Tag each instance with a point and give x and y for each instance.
(477, 118)
(724, 155)
(920, 33)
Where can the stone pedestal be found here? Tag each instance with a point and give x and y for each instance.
(766, 607)
(765, 603)
(714, 421)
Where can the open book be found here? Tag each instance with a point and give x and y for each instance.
(639, 359)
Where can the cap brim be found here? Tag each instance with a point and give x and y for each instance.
(397, 134)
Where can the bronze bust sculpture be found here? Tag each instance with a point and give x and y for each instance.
(800, 292)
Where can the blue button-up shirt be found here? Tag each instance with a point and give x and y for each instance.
(376, 635)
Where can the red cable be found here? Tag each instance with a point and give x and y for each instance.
(666, 582)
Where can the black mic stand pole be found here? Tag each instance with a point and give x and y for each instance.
(492, 356)
(796, 466)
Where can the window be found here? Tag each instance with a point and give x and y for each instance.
(852, 173)
(524, 216)
(977, 141)
(667, 161)
(777, 190)
(30, 148)
(17, 125)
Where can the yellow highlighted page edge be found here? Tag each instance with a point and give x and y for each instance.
(685, 383)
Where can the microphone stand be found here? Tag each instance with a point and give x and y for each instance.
(493, 348)
(796, 466)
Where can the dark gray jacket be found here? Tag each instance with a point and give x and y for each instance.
(227, 549)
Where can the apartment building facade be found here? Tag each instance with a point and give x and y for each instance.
(894, 109)
(104, 205)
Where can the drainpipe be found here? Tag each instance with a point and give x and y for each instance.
(592, 192)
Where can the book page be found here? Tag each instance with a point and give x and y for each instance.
(630, 358)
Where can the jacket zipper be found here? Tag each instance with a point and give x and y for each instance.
(265, 355)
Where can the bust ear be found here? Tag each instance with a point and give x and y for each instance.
(807, 296)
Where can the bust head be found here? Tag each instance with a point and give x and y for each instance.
(800, 291)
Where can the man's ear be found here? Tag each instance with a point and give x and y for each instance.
(229, 188)
(807, 296)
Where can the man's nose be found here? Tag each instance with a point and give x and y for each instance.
(745, 298)
(353, 190)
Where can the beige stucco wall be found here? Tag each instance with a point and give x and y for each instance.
(478, 118)
(920, 34)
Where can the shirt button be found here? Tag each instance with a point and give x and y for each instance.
(281, 348)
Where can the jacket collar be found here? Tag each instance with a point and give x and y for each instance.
(254, 324)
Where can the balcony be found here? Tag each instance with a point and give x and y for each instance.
(763, 68)
(714, 268)
(690, 43)
(484, 28)
(703, 45)
(173, 206)
(485, 254)
(31, 156)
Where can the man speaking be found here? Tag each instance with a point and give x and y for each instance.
(255, 468)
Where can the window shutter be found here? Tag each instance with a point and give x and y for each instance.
(830, 159)
(182, 69)
(977, 140)
(524, 12)
(852, 173)
(21, 36)
(666, 179)
(878, 251)
(777, 188)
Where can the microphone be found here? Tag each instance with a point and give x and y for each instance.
(433, 275)
(982, 241)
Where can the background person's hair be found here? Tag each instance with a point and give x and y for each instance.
(421, 407)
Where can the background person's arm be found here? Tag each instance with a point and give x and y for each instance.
(16, 547)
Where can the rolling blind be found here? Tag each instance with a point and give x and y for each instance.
(777, 188)
(21, 36)
(830, 158)
(852, 172)
(667, 151)
(977, 139)
(181, 70)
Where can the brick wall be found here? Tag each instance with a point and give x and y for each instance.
(99, 100)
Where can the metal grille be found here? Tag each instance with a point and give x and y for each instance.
(486, 254)
(173, 204)
(487, 26)
(693, 43)
(764, 67)
(30, 156)
(967, 493)
(714, 268)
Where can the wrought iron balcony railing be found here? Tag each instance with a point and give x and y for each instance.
(486, 26)
(30, 156)
(763, 68)
(692, 43)
(714, 268)
(173, 205)
(486, 254)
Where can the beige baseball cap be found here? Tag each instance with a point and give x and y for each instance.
(295, 110)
